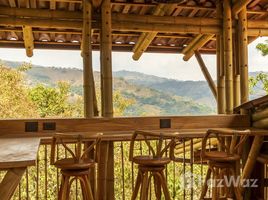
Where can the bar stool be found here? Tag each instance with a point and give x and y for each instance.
(151, 166)
(78, 166)
(225, 161)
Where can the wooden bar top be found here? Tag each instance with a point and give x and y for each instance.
(18, 152)
(127, 135)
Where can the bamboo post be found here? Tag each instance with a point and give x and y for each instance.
(206, 74)
(228, 55)
(236, 70)
(89, 88)
(220, 66)
(106, 162)
(243, 52)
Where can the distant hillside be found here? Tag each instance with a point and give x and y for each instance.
(156, 95)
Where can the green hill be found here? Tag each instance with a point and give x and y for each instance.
(153, 95)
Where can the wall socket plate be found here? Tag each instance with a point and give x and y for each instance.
(31, 126)
(165, 123)
(49, 126)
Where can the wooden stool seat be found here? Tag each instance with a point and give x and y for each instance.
(71, 164)
(221, 156)
(151, 161)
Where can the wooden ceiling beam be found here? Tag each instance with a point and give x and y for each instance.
(238, 6)
(28, 40)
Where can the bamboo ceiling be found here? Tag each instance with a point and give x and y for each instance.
(57, 34)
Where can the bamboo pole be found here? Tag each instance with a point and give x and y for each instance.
(220, 66)
(28, 40)
(146, 38)
(206, 74)
(243, 50)
(128, 26)
(106, 167)
(191, 44)
(236, 70)
(88, 78)
(228, 62)
(251, 160)
(200, 43)
(258, 115)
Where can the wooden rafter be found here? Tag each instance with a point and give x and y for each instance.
(28, 40)
(197, 45)
(146, 38)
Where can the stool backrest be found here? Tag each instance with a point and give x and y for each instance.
(77, 153)
(157, 150)
(229, 141)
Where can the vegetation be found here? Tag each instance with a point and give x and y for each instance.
(263, 48)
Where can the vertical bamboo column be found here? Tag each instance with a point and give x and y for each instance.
(87, 61)
(236, 68)
(220, 64)
(106, 162)
(228, 55)
(243, 51)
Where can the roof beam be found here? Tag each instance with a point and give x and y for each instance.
(239, 5)
(146, 38)
(196, 45)
(206, 73)
(28, 40)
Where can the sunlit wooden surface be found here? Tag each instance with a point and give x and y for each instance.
(15, 156)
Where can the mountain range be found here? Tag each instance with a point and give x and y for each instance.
(153, 95)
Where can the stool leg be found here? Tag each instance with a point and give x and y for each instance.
(237, 192)
(137, 185)
(61, 187)
(65, 194)
(88, 188)
(164, 185)
(205, 186)
(83, 188)
(144, 186)
(157, 186)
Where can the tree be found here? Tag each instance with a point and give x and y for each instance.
(55, 101)
(263, 47)
(14, 101)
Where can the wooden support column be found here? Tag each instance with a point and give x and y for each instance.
(220, 65)
(239, 5)
(206, 73)
(243, 52)
(228, 55)
(106, 162)
(236, 69)
(28, 40)
(89, 87)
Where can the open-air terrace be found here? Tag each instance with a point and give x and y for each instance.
(105, 157)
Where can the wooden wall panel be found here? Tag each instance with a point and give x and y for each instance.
(126, 124)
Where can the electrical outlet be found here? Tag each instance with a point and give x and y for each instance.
(31, 126)
(165, 123)
(49, 126)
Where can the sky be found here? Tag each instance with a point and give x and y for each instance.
(162, 65)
